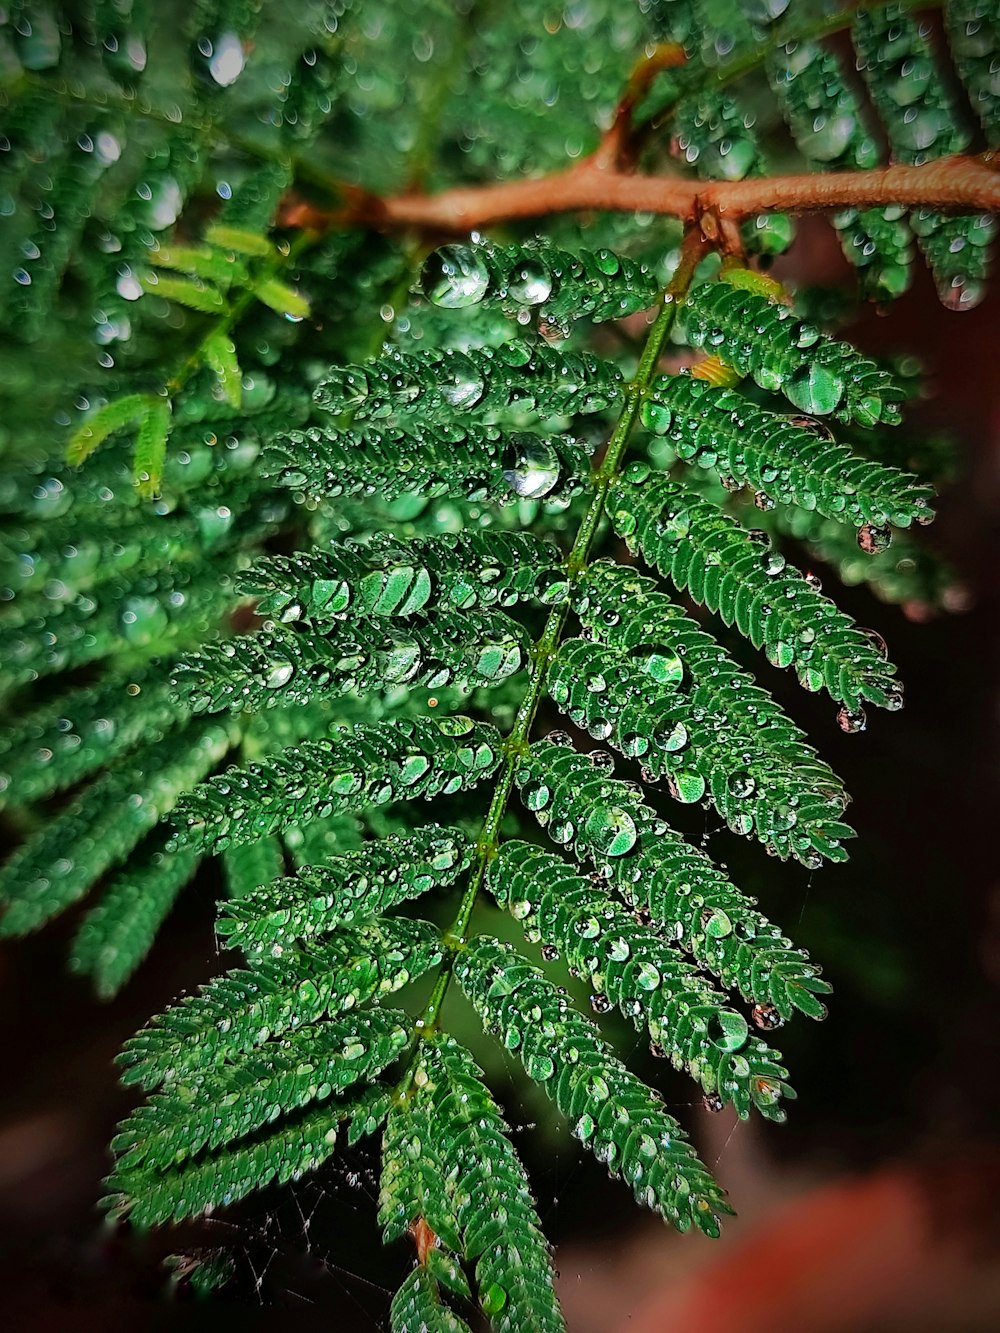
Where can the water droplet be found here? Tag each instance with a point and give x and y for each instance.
(536, 795)
(584, 1128)
(686, 786)
(529, 283)
(530, 467)
(772, 562)
(877, 642)
(279, 673)
(728, 1030)
(741, 785)
(814, 388)
(659, 662)
(712, 1102)
(716, 923)
(600, 1003)
(872, 539)
(539, 1067)
(672, 737)
(766, 1016)
(562, 738)
(454, 276)
(611, 830)
(852, 722)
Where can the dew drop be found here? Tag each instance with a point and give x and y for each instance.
(686, 786)
(815, 389)
(766, 1016)
(728, 1030)
(611, 830)
(851, 722)
(659, 662)
(529, 283)
(227, 60)
(279, 673)
(454, 276)
(873, 539)
(530, 467)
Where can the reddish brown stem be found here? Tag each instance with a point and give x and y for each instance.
(962, 183)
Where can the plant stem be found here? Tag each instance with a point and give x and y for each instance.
(957, 182)
(692, 250)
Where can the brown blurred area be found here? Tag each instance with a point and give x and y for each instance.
(874, 1208)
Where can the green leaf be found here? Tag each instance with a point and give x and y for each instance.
(447, 1160)
(387, 577)
(194, 293)
(113, 416)
(202, 262)
(349, 889)
(59, 863)
(151, 448)
(219, 352)
(630, 965)
(300, 1144)
(418, 1305)
(224, 1104)
(476, 464)
(485, 381)
(557, 284)
(242, 241)
(686, 897)
(282, 299)
(792, 460)
(613, 1113)
(384, 762)
(117, 934)
(786, 355)
(72, 735)
(700, 548)
(243, 1010)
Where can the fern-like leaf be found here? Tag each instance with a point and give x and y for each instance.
(763, 339)
(633, 967)
(349, 889)
(688, 898)
(612, 1112)
(352, 771)
(702, 549)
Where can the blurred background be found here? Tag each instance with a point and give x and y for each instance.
(874, 1208)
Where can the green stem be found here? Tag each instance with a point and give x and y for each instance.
(455, 937)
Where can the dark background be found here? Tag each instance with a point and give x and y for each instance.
(875, 1207)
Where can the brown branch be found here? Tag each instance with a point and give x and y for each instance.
(963, 183)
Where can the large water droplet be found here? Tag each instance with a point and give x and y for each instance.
(530, 467)
(686, 786)
(279, 673)
(611, 830)
(454, 276)
(873, 539)
(529, 283)
(851, 722)
(814, 388)
(659, 662)
(728, 1030)
(227, 60)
